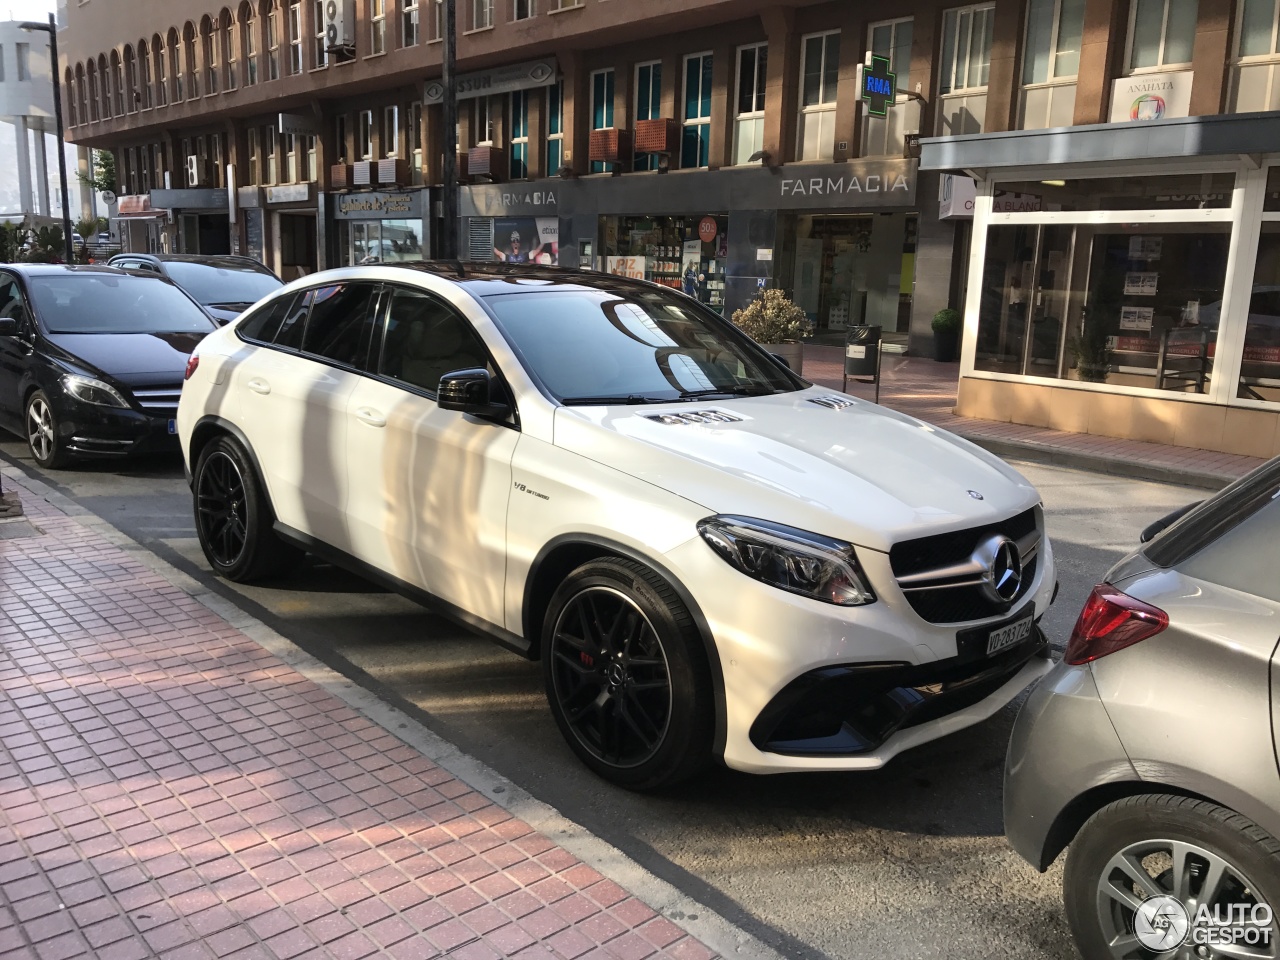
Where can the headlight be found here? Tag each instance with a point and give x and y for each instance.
(93, 391)
(793, 560)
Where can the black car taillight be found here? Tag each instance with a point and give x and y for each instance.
(193, 361)
(1110, 621)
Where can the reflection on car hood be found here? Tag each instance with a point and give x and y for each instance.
(132, 358)
(860, 472)
(222, 315)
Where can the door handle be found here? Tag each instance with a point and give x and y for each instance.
(370, 416)
(258, 385)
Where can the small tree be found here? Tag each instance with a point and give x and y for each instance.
(12, 237)
(47, 246)
(104, 171)
(772, 318)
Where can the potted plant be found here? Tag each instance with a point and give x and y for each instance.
(946, 335)
(1091, 346)
(776, 323)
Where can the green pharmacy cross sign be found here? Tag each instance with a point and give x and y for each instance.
(879, 86)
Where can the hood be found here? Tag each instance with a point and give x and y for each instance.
(131, 358)
(855, 471)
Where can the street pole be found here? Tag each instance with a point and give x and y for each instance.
(52, 29)
(449, 203)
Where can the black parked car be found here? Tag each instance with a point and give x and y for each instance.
(225, 286)
(92, 359)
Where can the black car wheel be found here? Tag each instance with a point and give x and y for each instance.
(1142, 869)
(47, 447)
(626, 676)
(234, 518)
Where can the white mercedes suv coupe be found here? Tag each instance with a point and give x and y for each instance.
(712, 557)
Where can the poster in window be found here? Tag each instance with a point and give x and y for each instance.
(527, 240)
(1140, 284)
(1136, 318)
(632, 267)
(1145, 248)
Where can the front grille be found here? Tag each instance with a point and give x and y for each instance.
(929, 570)
(158, 401)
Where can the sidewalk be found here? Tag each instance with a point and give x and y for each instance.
(923, 388)
(169, 788)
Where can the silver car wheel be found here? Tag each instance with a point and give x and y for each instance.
(1190, 874)
(40, 429)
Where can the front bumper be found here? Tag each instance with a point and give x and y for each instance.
(88, 430)
(882, 679)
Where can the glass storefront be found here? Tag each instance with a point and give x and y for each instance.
(379, 241)
(685, 253)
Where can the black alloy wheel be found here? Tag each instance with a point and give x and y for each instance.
(221, 508)
(627, 676)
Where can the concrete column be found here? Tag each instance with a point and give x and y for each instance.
(781, 83)
(723, 69)
(1101, 50)
(925, 29)
(536, 161)
(84, 169)
(1002, 85)
(42, 174)
(25, 204)
(672, 78)
(1212, 51)
(935, 246)
(853, 48)
(433, 143)
(577, 110)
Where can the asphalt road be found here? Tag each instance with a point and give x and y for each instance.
(906, 862)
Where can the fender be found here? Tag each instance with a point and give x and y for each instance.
(532, 632)
(223, 426)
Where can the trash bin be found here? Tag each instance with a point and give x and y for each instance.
(861, 351)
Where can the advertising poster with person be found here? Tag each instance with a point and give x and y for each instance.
(527, 240)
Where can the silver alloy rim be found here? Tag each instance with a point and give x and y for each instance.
(40, 429)
(1187, 872)
(610, 677)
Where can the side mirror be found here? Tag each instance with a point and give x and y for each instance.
(781, 360)
(468, 391)
(8, 327)
(1169, 520)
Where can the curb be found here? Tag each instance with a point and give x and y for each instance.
(694, 917)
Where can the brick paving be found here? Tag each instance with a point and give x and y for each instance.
(168, 788)
(925, 389)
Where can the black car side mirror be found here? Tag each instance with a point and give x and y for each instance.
(469, 391)
(1169, 520)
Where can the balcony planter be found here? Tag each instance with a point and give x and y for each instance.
(657, 136)
(612, 145)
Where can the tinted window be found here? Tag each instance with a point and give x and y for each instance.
(1248, 502)
(10, 296)
(425, 339)
(114, 303)
(264, 323)
(221, 284)
(339, 322)
(290, 334)
(593, 345)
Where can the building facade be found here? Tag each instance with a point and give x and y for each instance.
(1027, 155)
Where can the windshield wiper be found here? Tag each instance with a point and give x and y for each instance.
(631, 399)
(741, 390)
(233, 304)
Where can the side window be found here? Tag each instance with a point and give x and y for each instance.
(339, 323)
(263, 325)
(10, 297)
(290, 334)
(426, 339)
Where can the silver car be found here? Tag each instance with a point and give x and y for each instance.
(1151, 749)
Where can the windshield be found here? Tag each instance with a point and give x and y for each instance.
(110, 303)
(222, 284)
(596, 346)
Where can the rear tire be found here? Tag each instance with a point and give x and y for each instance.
(1164, 846)
(626, 675)
(234, 519)
(46, 446)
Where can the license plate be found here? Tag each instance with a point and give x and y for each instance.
(1009, 636)
(173, 426)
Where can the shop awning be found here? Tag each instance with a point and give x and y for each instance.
(1240, 134)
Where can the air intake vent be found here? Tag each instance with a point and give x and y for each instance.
(480, 238)
(693, 416)
(832, 402)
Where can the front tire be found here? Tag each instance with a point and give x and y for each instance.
(234, 519)
(626, 675)
(46, 446)
(1175, 848)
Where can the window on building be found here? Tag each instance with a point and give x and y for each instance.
(249, 37)
(481, 122)
(377, 26)
(409, 34)
(819, 73)
(481, 14)
(1257, 31)
(273, 40)
(189, 61)
(131, 97)
(1054, 30)
(319, 45)
(414, 131)
(748, 134)
(271, 147)
(391, 131)
(255, 155)
(2, 72)
(209, 46)
(295, 36)
(175, 67)
(886, 136)
(966, 48)
(522, 9)
(104, 77)
(555, 128)
(290, 158)
(564, 4)
(227, 40)
(648, 105)
(162, 79)
(364, 142)
(437, 19)
(312, 163)
(696, 136)
(519, 139)
(1161, 33)
(145, 77)
(602, 88)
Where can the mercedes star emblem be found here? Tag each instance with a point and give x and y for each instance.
(1000, 558)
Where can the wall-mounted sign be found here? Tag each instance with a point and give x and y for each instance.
(299, 125)
(878, 85)
(707, 229)
(1145, 248)
(1151, 96)
(484, 83)
(956, 196)
(379, 206)
(1140, 284)
(289, 193)
(498, 199)
(1136, 318)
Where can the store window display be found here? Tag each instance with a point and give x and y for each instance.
(684, 253)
